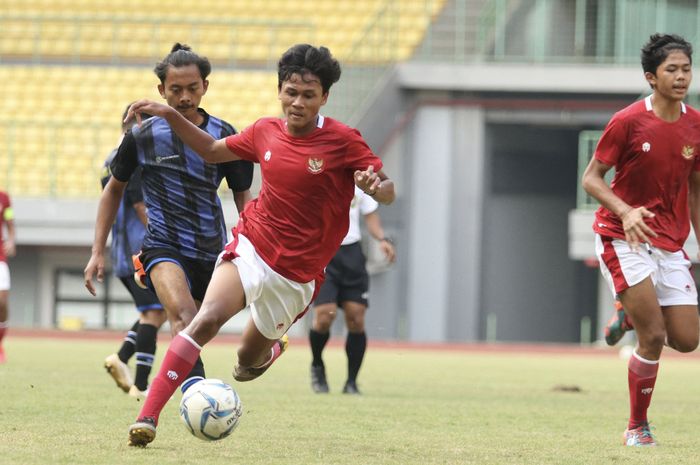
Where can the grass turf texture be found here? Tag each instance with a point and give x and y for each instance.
(419, 407)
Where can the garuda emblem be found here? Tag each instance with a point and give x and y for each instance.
(315, 165)
(688, 152)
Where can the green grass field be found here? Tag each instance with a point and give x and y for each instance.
(419, 407)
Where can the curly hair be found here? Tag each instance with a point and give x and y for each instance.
(303, 59)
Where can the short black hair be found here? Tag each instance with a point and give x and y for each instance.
(182, 55)
(304, 58)
(659, 47)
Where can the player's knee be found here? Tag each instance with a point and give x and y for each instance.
(180, 318)
(322, 325)
(205, 326)
(154, 317)
(653, 339)
(323, 319)
(685, 344)
(355, 325)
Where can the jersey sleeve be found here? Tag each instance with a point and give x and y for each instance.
(6, 207)
(243, 143)
(359, 156)
(612, 143)
(125, 161)
(238, 174)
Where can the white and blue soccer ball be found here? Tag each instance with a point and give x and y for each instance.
(211, 409)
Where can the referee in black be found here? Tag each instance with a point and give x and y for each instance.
(346, 287)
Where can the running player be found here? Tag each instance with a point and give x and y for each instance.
(285, 237)
(643, 221)
(127, 237)
(7, 249)
(186, 228)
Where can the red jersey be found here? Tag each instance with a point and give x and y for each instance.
(653, 161)
(301, 215)
(5, 215)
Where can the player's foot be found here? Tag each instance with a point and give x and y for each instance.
(351, 388)
(640, 436)
(241, 373)
(617, 326)
(318, 379)
(139, 273)
(137, 393)
(3, 359)
(142, 432)
(119, 371)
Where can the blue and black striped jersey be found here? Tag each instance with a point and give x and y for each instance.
(179, 187)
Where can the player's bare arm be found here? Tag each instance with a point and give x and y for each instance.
(141, 212)
(374, 226)
(9, 245)
(210, 149)
(694, 204)
(106, 213)
(636, 229)
(377, 185)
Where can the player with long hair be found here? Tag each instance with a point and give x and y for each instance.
(186, 227)
(128, 232)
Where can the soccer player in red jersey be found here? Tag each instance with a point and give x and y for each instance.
(7, 249)
(310, 165)
(645, 217)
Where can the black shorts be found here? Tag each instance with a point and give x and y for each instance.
(198, 272)
(346, 277)
(145, 299)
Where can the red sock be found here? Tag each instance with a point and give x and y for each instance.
(641, 376)
(178, 362)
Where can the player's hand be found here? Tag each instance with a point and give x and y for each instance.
(388, 250)
(148, 107)
(367, 180)
(96, 264)
(636, 229)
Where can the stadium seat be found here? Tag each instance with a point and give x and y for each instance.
(111, 31)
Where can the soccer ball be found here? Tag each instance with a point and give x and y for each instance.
(211, 409)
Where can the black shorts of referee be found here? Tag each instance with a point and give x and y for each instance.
(346, 277)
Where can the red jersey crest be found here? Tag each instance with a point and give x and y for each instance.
(688, 152)
(315, 165)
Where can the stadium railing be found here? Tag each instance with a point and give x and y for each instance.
(542, 31)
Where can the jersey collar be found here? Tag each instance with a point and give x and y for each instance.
(647, 104)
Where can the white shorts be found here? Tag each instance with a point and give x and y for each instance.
(4, 277)
(275, 301)
(669, 271)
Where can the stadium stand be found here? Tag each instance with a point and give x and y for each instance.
(87, 31)
(61, 120)
(61, 57)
